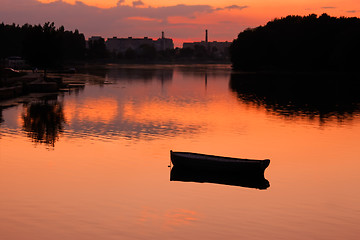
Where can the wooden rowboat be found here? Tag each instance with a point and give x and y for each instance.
(217, 163)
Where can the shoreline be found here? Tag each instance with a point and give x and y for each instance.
(15, 87)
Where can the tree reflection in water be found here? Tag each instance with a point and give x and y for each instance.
(44, 121)
(1, 115)
(313, 96)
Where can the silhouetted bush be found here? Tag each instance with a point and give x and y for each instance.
(130, 54)
(308, 43)
(186, 52)
(147, 52)
(97, 49)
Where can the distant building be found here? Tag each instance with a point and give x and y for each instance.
(93, 39)
(221, 49)
(163, 43)
(120, 45)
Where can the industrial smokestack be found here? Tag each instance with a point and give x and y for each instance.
(162, 35)
(206, 36)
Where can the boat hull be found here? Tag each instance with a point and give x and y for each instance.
(217, 163)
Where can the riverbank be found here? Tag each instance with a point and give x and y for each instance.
(29, 83)
(31, 86)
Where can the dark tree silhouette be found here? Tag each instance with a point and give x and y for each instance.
(167, 54)
(130, 54)
(200, 52)
(147, 52)
(11, 40)
(97, 49)
(308, 43)
(42, 46)
(186, 52)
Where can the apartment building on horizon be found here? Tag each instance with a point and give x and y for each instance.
(217, 48)
(120, 45)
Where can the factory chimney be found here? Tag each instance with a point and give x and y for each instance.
(162, 35)
(206, 36)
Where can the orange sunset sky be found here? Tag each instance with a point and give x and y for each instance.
(182, 21)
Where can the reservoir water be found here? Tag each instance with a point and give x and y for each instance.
(93, 162)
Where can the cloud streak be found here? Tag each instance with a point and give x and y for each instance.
(32, 9)
(232, 7)
(137, 3)
(119, 3)
(353, 11)
(236, 7)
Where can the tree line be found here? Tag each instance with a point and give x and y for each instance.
(48, 47)
(300, 43)
(42, 46)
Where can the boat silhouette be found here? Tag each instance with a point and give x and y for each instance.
(202, 168)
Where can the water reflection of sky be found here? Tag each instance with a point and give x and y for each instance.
(131, 112)
(104, 179)
(131, 120)
(139, 103)
(149, 102)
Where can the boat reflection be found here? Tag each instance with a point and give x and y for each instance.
(314, 96)
(43, 120)
(250, 180)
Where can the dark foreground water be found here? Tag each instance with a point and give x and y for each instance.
(92, 163)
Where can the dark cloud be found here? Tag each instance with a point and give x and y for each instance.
(236, 7)
(232, 7)
(353, 11)
(329, 7)
(120, 2)
(137, 3)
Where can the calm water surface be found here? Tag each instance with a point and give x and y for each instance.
(92, 163)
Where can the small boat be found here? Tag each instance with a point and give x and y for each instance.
(217, 163)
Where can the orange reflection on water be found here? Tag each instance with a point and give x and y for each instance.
(121, 188)
(178, 217)
(169, 219)
(161, 112)
(102, 110)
